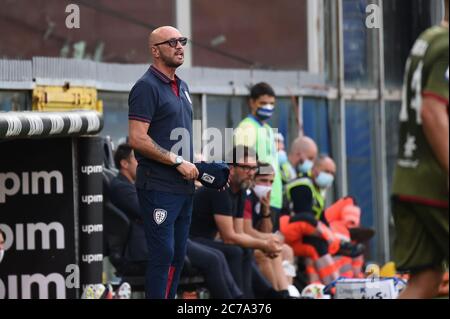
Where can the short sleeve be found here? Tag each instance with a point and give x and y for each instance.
(438, 81)
(142, 102)
(220, 202)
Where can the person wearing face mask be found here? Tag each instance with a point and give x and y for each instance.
(306, 228)
(2, 243)
(281, 151)
(301, 159)
(255, 132)
(258, 224)
(217, 222)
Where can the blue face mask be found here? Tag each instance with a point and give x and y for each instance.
(305, 167)
(265, 112)
(324, 180)
(282, 157)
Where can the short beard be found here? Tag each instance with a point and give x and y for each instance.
(247, 184)
(170, 63)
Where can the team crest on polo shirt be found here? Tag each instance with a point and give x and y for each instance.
(159, 215)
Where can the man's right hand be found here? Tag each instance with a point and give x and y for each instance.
(273, 246)
(188, 170)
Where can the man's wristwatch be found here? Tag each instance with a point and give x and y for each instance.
(178, 161)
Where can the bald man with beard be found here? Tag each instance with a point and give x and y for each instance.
(159, 103)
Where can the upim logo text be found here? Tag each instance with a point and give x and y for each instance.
(12, 183)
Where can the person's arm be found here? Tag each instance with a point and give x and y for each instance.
(142, 108)
(145, 145)
(125, 198)
(250, 230)
(225, 225)
(248, 221)
(434, 111)
(435, 126)
(266, 225)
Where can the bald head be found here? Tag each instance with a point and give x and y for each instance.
(162, 34)
(323, 172)
(167, 56)
(303, 148)
(304, 144)
(325, 164)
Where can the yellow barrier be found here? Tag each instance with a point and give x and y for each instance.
(65, 98)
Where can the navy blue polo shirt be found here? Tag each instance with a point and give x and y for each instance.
(153, 100)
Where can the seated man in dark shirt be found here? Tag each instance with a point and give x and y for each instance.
(221, 213)
(209, 261)
(124, 196)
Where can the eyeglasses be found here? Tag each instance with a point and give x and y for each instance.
(247, 168)
(173, 42)
(265, 180)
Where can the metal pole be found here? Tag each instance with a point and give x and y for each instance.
(382, 196)
(184, 24)
(301, 128)
(341, 159)
(313, 7)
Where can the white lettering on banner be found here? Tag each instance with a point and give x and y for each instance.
(45, 283)
(35, 176)
(92, 258)
(31, 229)
(92, 228)
(57, 124)
(93, 122)
(14, 126)
(15, 183)
(75, 123)
(92, 169)
(36, 125)
(89, 199)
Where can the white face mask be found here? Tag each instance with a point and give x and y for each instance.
(2, 253)
(324, 180)
(306, 166)
(261, 191)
